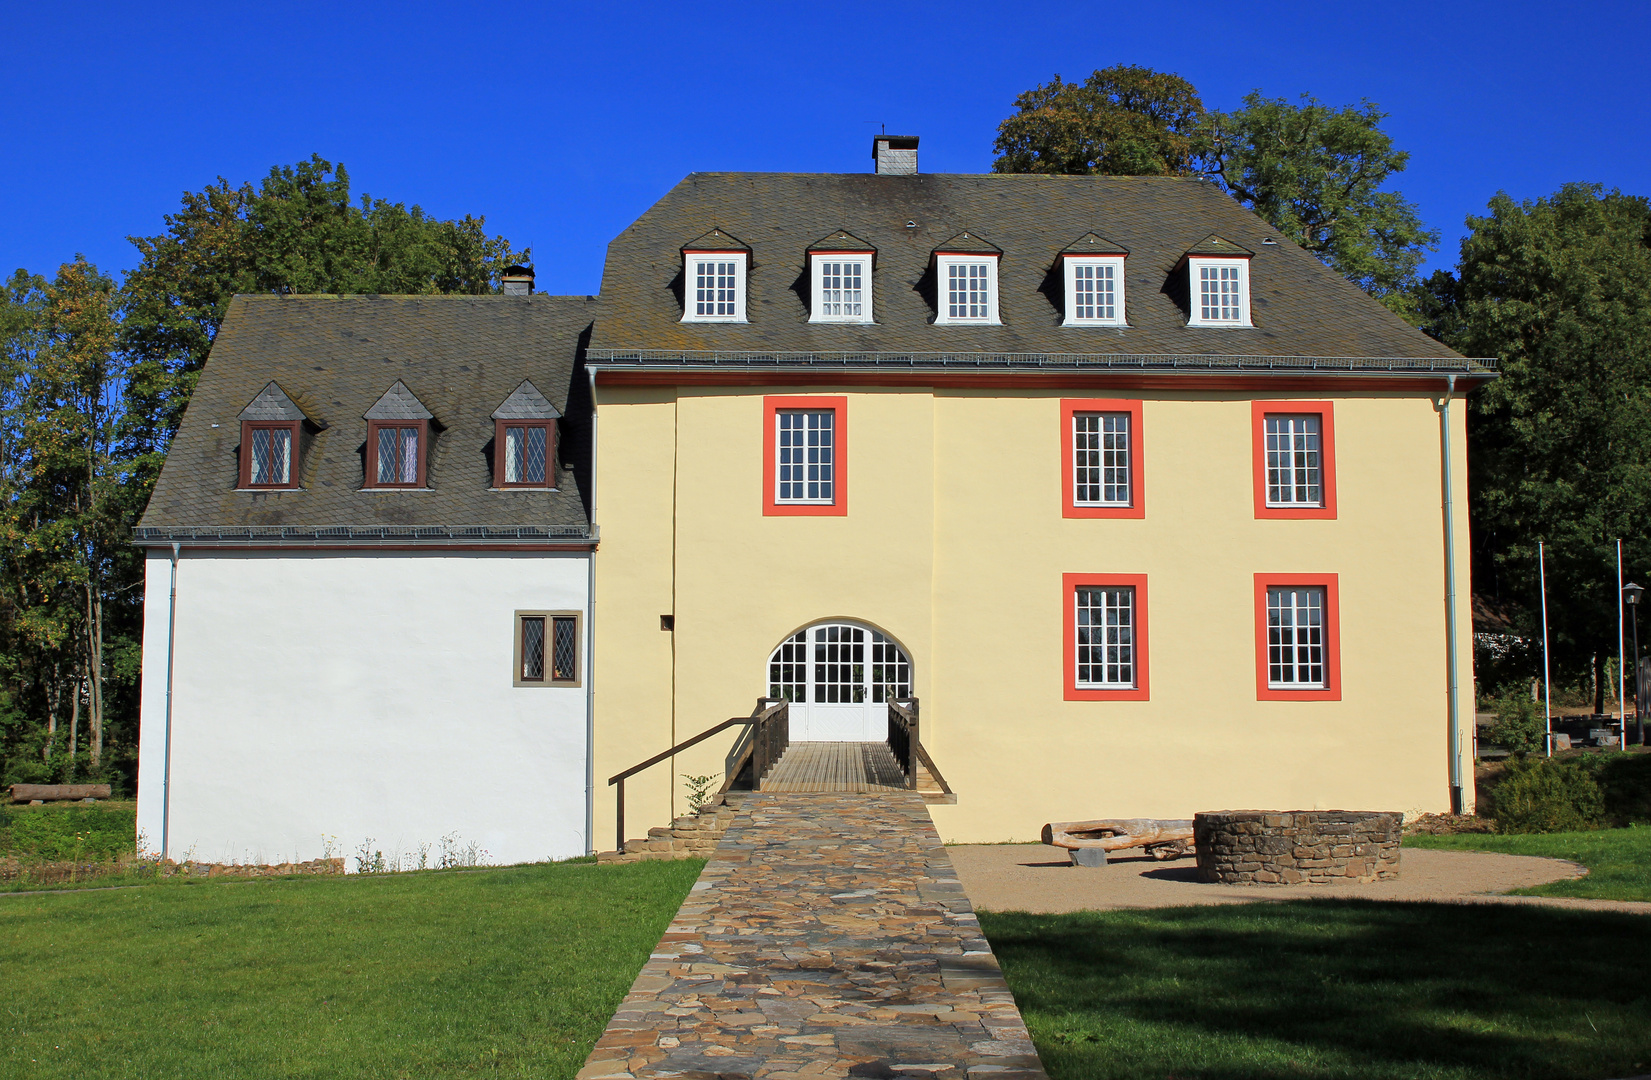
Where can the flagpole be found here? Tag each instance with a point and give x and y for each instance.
(1622, 674)
(1547, 692)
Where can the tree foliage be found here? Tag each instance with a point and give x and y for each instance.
(1559, 289)
(1316, 173)
(1121, 121)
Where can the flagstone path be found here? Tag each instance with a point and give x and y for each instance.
(828, 936)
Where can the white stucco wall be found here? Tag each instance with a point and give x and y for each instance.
(357, 695)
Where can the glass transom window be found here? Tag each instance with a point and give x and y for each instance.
(1220, 292)
(271, 456)
(806, 447)
(1094, 292)
(1100, 459)
(1295, 475)
(1105, 637)
(1295, 638)
(715, 286)
(842, 289)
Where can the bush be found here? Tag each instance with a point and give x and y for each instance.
(1541, 795)
(1624, 783)
(1520, 727)
(69, 831)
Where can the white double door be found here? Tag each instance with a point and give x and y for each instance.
(839, 677)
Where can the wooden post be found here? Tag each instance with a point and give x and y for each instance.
(620, 796)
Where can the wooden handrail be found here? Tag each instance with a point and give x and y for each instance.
(761, 718)
(906, 744)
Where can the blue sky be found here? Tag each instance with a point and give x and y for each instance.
(561, 123)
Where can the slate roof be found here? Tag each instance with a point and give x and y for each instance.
(1300, 307)
(1090, 244)
(458, 357)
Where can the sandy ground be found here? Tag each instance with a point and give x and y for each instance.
(1033, 877)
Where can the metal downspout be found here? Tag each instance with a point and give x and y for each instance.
(1450, 604)
(590, 644)
(166, 753)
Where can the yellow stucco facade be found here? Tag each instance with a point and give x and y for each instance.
(954, 544)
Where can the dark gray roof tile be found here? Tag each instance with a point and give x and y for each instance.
(398, 403)
(272, 403)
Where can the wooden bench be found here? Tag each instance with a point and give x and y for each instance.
(1089, 841)
(35, 794)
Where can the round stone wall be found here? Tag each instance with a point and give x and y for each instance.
(1270, 847)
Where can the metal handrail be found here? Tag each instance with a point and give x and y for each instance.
(771, 741)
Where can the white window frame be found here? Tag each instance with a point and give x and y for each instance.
(1195, 276)
(1106, 630)
(1291, 474)
(691, 261)
(781, 465)
(1127, 468)
(943, 265)
(816, 272)
(1276, 646)
(1116, 262)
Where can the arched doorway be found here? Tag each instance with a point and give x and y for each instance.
(839, 677)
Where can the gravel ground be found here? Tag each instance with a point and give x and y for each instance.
(1037, 878)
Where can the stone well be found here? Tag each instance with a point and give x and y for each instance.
(1271, 847)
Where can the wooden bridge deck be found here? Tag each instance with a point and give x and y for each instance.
(836, 766)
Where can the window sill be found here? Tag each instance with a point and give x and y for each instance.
(842, 322)
(521, 487)
(393, 490)
(269, 490)
(1220, 325)
(724, 321)
(1093, 324)
(968, 322)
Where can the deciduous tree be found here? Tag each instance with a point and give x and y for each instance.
(1121, 121)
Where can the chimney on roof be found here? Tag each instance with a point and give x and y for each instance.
(517, 280)
(896, 155)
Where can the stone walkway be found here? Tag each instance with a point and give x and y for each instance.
(827, 937)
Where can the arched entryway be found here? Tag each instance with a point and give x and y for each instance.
(839, 677)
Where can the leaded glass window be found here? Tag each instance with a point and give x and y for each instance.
(716, 285)
(805, 444)
(1295, 638)
(271, 456)
(1094, 292)
(969, 291)
(525, 454)
(842, 289)
(1105, 637)
(547, 648)
(564, 649)
(1295, 474)
(1218, 294)
(1100, 459)
(533, 648)
(397, 455)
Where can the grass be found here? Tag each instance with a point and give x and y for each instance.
(1331, 990)
(512, 972)
(1618, 860)
(68, 831)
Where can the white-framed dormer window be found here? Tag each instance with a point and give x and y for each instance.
(1220, 292)
(1094, 291)
(968, 289)
(714, 286)
(842, 287)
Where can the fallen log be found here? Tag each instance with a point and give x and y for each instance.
(1089, 841)
(32, 793)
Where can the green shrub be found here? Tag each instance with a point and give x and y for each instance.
(1520, 726)
(69, 832)
(1625, 783)
(1542, 795)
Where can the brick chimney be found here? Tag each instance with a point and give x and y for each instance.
(896, 155)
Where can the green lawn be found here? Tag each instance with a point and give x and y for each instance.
(512, 971)
(68, 831)
(1332, 990)
(1618, 860)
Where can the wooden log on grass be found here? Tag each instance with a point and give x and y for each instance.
(22, 793)
(1169, 836)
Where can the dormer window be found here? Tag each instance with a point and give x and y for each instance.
(966, 281)
(840, 268)
(398, 435)
(714, 279)
(1218, 273)
(1094, 272)
(524, 440)
(271, 433)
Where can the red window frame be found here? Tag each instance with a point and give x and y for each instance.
(373, 428)
(772, 406)
(1332, 637)
(1071, 583)
(1137, 507)
(499, 480)
(1259, 411)
(247, 428)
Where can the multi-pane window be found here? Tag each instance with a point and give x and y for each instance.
(839, 665)
(716, 288)
(1295, 475)
(1295, 638)
(805, 448)
(842, 289)
(890, 670)
(547, 648)
(1220, 297)
(1104, 637)
(969, 291)
(271, 456)
(1100, 459)
(834, 657)
(1094, 291)
(526, 453)
(396, 455)
(788, 669)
